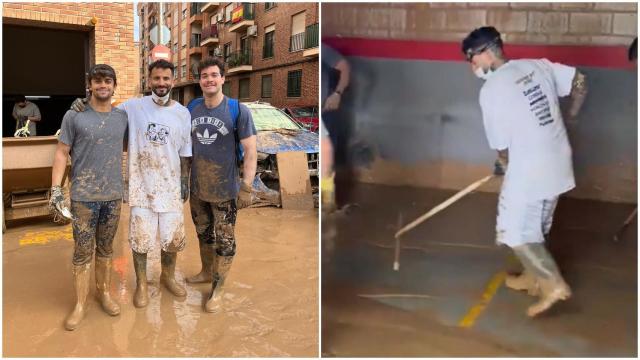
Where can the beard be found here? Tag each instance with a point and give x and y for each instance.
(102, 98)
(161, 91)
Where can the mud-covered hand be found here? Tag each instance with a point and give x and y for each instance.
(244, 196)
(184, 188)
(500, 167)
(57, 205)
(79, 104)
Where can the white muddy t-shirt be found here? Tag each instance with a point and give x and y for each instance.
(521, 112)
(158, 137)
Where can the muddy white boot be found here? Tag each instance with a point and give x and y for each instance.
(167, 276)
(141, 296)
(82, 277)
(552, 290)
(523, 282)
(103, 284)
(221, 268)
(207, 252)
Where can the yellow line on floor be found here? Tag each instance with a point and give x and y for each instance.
(470, 318)
(43, 237)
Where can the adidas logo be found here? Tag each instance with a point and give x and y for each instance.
(205, 138)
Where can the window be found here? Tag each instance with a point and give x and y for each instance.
(184, 38)
(269, 5)
(226, 88)
(183, 73)
(266, 86)
(184, 13)
(227, 12)
(294, 83)
(227, 51)
(269, 35)
(243, 93)
(297, 32)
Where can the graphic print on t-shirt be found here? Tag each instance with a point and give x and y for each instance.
(538, 102)
(207, 129)
(157, 133)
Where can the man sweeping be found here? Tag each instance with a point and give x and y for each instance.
(523, 122)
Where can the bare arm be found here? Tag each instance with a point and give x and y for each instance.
(36, 116)
(59, 163)
(579, 91)
(345, 71)
(250, 159)
(185, 167)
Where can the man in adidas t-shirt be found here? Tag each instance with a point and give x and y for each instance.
(218, 126)
(522, 118)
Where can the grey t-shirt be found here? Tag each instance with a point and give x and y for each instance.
(30, 109)
(214, 172)
(96, 141)
(330, 59)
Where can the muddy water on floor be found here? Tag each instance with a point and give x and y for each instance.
(271, 300)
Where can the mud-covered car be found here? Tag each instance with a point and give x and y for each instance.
(277, 133)
(306, 116)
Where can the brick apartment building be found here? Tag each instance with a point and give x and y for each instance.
(271, 49)
(48, 48)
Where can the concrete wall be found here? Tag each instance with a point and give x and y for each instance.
(421, 121)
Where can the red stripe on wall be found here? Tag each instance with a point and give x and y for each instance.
(594, 56)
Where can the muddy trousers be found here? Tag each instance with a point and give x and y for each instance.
(215, 224)
(94, 226)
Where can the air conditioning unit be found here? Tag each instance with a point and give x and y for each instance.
(219, 18)
(217, 51)
(252, 30)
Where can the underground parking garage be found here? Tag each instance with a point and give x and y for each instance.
(448, 296)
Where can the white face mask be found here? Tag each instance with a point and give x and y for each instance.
(160, 100)
(482, 74)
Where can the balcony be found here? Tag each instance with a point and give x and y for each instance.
(311, 40)
(194, 45)
(239, 61)
(297, 42)
(242, 17)
(195, 16)
(209, 35)
(209, 7)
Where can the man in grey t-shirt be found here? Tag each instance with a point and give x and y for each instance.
(95, 140)
(214, 176)
(24, 111)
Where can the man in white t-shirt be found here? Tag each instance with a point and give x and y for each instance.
(159, 152)
(523, 121)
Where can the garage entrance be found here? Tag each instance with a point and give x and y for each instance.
(46, 65)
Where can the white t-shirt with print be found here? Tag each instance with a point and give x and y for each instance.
(158, 137)
(521, 112)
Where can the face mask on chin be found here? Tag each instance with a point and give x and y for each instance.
(482, 74)
(160, 100)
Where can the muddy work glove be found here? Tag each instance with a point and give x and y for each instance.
(58, 207)
(79, 105)
(244, 196)
(184, 188)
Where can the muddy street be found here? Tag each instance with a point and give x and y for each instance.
(270, 309)
(448, 297)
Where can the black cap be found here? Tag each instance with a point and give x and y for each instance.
(479, 40)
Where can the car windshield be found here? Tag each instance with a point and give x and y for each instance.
(271, 119)
(304, 112)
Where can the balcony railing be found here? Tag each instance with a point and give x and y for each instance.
(195, 8)
(239, 58)
(311, 36)
(297, 42)
(210, 31)
(195, 41)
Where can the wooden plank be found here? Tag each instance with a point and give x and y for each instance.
(295, 186)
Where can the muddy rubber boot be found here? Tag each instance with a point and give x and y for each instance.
(141, 296)
(167, 276)
(103, 284)
(552, 290)
(82, 278)
(523, 282)
(221, 268)
(207, 252)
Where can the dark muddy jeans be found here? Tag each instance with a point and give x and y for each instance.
(215, 224)
(95, 226)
